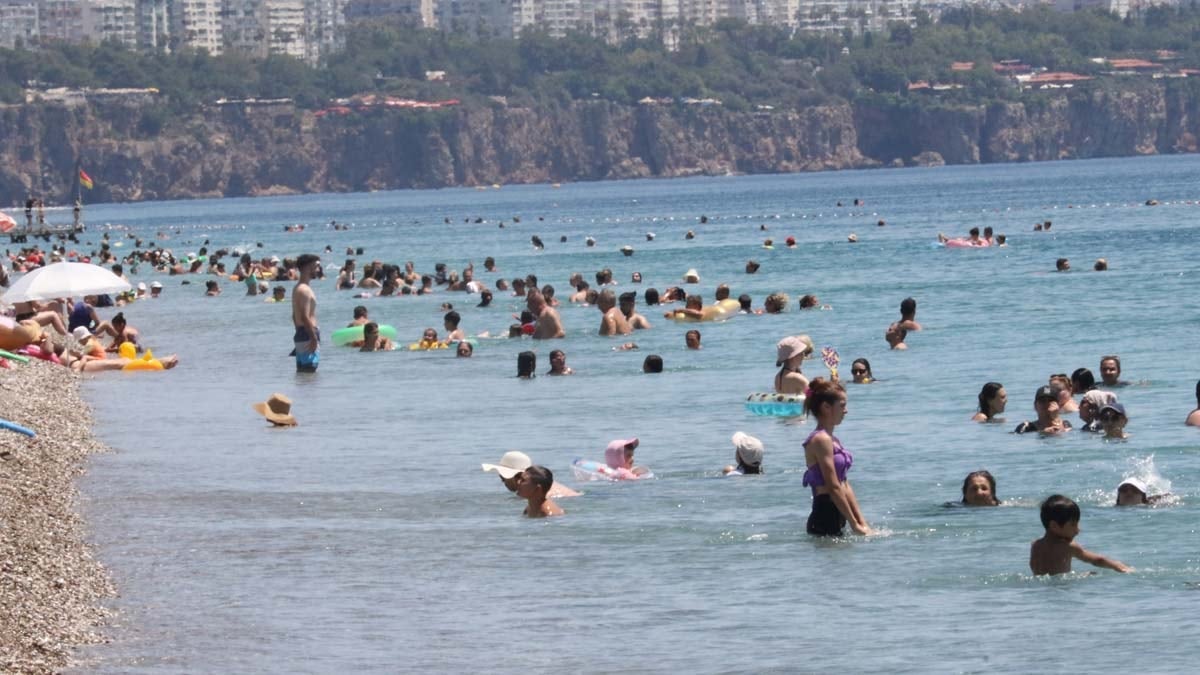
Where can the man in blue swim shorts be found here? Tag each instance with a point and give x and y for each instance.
(304, 315)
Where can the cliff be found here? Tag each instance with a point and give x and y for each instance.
(138, 152)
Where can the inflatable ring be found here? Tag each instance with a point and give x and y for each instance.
(777, 405)
(344, 336)
(589, 470)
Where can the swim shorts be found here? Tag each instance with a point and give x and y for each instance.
(825, 519)
(306, 361)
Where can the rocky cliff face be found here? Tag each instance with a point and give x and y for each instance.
(135, 152)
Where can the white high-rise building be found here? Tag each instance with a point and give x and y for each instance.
(111, 20)
(196, 24)
(286, 30)
(153, 24)
(18, 23)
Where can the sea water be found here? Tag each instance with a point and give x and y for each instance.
(367, 539)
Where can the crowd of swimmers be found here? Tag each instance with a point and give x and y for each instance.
(828, 463)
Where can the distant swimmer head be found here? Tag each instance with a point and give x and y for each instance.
(526, 365)
(751, 266)
(992, 399)
(979, 489)
(691, 276)
(748, 451)
(1132, 492)
(1062, 265)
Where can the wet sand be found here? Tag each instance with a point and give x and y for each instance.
(51, 586)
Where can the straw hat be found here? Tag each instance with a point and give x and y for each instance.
(512, 463)
(791, 346)
(749, 449)
(277, 410)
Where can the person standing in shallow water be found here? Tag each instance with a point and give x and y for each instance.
(834, 503)
(307, 338)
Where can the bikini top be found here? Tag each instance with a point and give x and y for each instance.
(842, 461)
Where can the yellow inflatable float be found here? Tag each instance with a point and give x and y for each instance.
(147, 362)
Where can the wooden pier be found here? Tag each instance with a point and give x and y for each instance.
(21, 235)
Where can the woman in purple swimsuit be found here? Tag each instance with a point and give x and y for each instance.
(834, 503)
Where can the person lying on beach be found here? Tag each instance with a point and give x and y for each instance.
(1052, 553)
(90, 364)
(44, 314)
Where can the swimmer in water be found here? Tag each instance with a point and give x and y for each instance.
(860, 372)
(908, 315)
(1052, 553)
(618, 455)
(1113, 420)
(372, 341)
(558, 363)
(509, 469)
(1066, 402)
(789, 356)
(992, 400)
(692, 339)
(1193, 418)
(834, 504)
(1135, 492)
(1048, 423)
(979, 489)
(748, 453)
(628, 307)
(450, 321)
(1110, 371)
(1089, 409)
(895, 335)
(527, 365)
(534, 486)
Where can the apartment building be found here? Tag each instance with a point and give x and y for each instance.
(325, 25)
(61, 20)
(18, 23)
(287, 33)
(196, 24)
(111, 20)
(153, 24)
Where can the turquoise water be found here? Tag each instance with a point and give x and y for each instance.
(368, 539)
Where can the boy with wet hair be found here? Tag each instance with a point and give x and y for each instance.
(1052, 553)
(533, 485)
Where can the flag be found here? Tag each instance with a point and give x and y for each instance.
(84, 179)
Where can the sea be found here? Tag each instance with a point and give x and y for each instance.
(368, 539)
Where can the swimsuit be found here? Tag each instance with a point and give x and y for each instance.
(306, 360)
(826, 519)
(80, 316)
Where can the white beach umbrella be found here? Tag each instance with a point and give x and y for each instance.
(63, 279)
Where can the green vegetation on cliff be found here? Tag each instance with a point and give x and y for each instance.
(741, 65)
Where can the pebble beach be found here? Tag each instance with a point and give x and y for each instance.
(51, 587)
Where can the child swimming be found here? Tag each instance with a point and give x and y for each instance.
(1052, 553)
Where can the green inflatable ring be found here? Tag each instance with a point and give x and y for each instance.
(344, 336)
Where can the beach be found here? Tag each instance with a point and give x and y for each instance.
(51, 585)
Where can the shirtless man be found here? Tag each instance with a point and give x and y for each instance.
(533, 485)
(628, 304)
(307, 338)
(548, 325)
(908, 315)
(614, 322)
(450, 322)
(373, 341)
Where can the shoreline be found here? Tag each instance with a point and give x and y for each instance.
(52, 587)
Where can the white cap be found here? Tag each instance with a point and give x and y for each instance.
(81, 333)
(141, 285)
(155, 284)
(749, 449)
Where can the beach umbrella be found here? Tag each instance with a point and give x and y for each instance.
(6, 222)
(64, 279)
